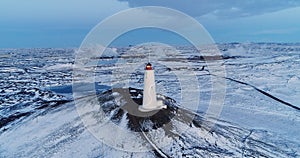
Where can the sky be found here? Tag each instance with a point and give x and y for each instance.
(56, 23)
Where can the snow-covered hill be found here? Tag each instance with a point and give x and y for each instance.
(260, 116)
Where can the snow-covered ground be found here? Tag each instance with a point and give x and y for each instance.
(260, 116)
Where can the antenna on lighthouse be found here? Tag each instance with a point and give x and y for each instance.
(149, 95)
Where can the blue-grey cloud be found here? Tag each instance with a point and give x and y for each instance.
(220, 8)
(57, 11)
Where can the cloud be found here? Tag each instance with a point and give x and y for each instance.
(219, 8)
(51, 11)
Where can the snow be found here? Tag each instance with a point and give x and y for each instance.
(37, 83)
(58, 67)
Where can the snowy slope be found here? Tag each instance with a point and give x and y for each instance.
(38, 117)
(60, 133)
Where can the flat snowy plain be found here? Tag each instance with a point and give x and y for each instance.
(260, 116)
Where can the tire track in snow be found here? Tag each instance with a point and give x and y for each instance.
(259, 90)
(264, 93)
(157, 150)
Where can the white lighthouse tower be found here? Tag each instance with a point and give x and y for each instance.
(150, 102)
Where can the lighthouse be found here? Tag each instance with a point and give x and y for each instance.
(150, 102)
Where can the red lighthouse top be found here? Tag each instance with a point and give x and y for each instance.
(148, 66)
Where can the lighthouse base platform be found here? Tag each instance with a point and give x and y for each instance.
(159, 106)
(125, 103)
